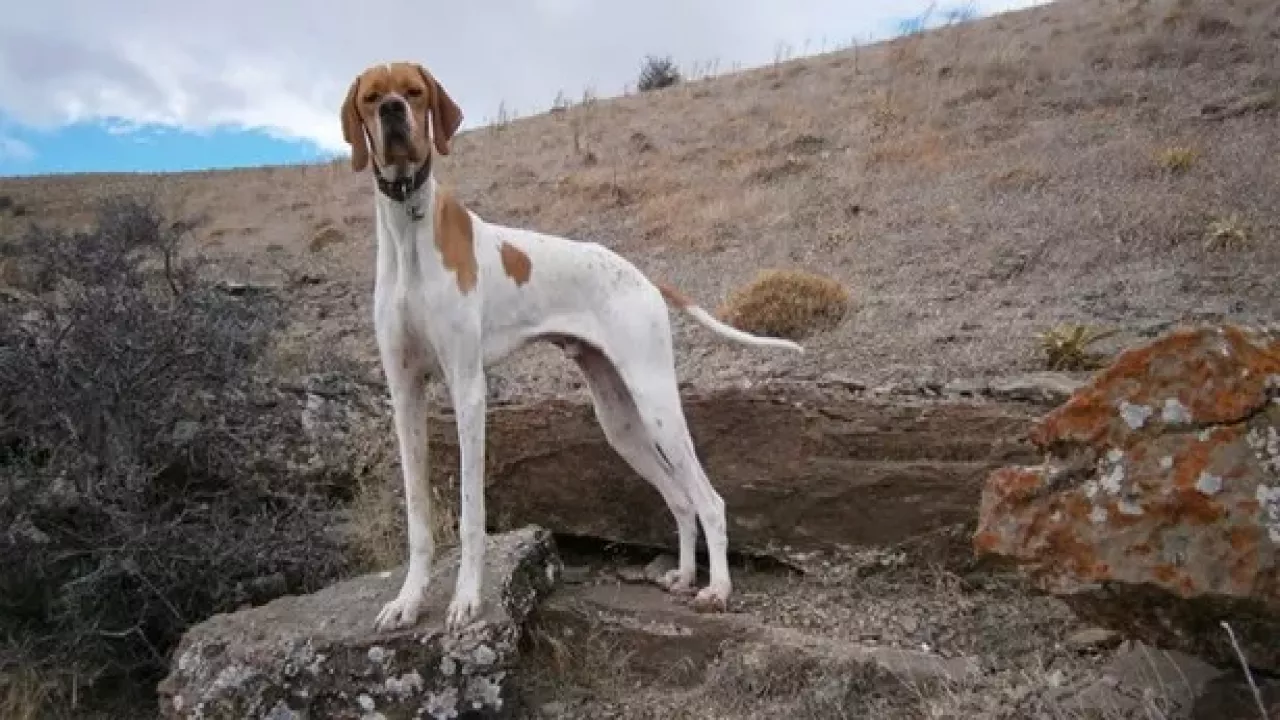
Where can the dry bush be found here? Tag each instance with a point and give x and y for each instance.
(1226, 233)
(1176, 160)
(1066, 347)
(128, 432)
(789, 304)
(657, 73)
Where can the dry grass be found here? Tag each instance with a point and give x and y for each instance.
(24, 695)
(973, 184)
(1227, 233)
(786, 303)
(1066, 347)
(1176, 160)
(376, 534)
(376, 538)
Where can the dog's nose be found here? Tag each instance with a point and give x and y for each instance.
(391, 110)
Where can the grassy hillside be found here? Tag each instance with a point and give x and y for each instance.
(1109, 162)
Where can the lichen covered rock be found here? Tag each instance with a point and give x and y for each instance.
(1157, 509)
(319, 656)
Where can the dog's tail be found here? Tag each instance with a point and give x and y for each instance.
(707, 320)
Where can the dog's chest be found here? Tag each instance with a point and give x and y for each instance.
(401, 319)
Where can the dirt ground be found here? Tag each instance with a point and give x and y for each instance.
(995, 649)
(971, 186)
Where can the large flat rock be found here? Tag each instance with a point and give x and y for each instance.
(318, 655)
(802, 466)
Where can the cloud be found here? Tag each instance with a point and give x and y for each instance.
(283, 67)
(14, 150)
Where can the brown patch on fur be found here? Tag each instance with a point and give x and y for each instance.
(515, 263)
(455, 240)
(674, 296)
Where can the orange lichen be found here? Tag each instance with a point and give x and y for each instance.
(1015, 483)
(1218, 377)
(1165, 573)
(1243, 539)
(1190, 463)
(986, 541)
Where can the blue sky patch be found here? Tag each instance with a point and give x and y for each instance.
(115, 146)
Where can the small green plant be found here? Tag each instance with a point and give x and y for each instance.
(1226, 233)
(1066, 347)
(657, 73)
(1176, 160)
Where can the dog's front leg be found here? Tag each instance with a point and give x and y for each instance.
(467, 389)
(406, 382)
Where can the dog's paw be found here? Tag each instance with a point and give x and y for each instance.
(401, 612)
(674, 583)
(710, 601)
(464, 609)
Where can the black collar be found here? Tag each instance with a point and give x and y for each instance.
(401, 188)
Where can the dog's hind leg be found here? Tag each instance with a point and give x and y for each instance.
(657, 401)
(626, 432)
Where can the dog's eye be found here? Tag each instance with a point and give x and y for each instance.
(414, 92)
(371, 96)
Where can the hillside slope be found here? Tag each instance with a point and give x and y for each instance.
(972, 186)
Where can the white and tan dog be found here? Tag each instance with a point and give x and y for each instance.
(455, 294)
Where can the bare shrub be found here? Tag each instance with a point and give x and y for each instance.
(786, 303)
(657, 73)
(1177, 160)
(1226, 233)
(128, 426)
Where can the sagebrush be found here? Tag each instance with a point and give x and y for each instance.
(656, 73)
(790, 304)
(128, 429)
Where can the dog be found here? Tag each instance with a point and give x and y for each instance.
(455, 294)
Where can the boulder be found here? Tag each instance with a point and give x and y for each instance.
(1156, 509)
(318, 655)
(802, 466)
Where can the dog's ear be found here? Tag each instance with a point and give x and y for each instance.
(446, 116)
(353, 130)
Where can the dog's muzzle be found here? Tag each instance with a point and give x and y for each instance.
(393, 115)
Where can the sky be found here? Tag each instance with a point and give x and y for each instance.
(158, 85)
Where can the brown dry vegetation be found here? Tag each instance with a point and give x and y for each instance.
(791, 304)
(976, 185)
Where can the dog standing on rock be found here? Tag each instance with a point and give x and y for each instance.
(455, 294)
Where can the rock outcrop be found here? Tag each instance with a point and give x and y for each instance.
(1156, 511)
(318, 655)
(802, 466)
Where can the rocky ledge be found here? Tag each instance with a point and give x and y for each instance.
(318, 655)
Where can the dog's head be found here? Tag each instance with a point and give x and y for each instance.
(401, 110)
